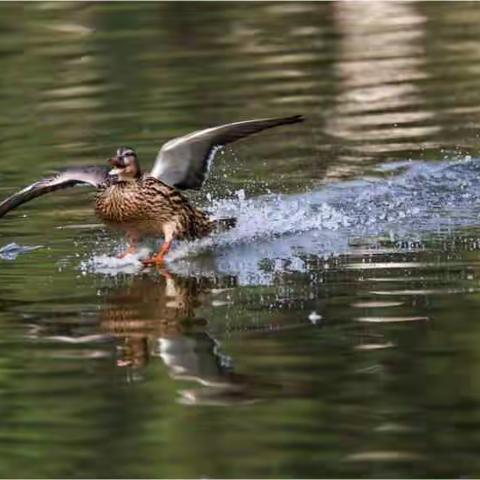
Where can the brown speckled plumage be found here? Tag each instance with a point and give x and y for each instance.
(148, 207)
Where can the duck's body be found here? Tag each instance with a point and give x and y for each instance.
(146, 206)
(142, 204)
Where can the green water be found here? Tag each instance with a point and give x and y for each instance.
(335, 332)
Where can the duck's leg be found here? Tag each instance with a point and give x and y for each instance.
(132, 246)
(159, 258)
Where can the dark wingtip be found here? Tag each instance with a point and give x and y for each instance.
(293, 119)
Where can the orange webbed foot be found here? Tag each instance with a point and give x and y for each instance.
(159, 258)
(156, 260)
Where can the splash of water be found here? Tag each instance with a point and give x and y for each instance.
(13, 250)
(108, 265)
(277, 232)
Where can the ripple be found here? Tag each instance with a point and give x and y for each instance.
(384, 456)
(374, 346)
(374, 304)
(425, 291)
(391, 319)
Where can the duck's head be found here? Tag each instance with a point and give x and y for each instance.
(125, 164)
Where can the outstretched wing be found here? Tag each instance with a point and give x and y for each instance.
(184, 162)
(94, 176)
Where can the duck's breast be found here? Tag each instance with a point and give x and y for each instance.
(120, 203)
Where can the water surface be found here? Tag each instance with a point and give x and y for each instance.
(333, 332)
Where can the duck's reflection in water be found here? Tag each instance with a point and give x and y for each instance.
(157, 316)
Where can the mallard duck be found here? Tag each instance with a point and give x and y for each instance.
(151, 204)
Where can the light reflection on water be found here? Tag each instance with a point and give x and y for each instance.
(333, 332)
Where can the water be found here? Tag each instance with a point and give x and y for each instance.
(333, 332)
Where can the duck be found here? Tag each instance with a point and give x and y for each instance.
(152, 204)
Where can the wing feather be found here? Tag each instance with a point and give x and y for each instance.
(70, 177)
(184, 162)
